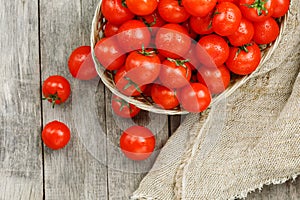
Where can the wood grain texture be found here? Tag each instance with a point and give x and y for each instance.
(71, 173)
(20, 123)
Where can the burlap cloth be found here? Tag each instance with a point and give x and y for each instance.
(247, 140)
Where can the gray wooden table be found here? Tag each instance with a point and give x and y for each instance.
(36, 38)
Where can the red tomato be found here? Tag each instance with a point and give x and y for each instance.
(266, 31)
(123, 108)
(172, 41)
(81, 65)
(109, 54)
(56, 135)
(281, 8)
(175, 73)
(125, 85)
(216, 79)
(202, 25)
(137, 143)
(141, 7)
(110, 29)
(232, 1)
(199, 8)
(143, 66)
(226, 19)
(164, 97)
(216, 47)
(186, 24)
(244, 60)
(191, 56)
(153, 20)
(257, 10)
(56, 89)
(133, 35)
(194, 97)
(243, 35)
(172, 12)
(115, 12)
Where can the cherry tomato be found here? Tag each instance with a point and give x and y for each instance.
(133, 35)
(257, 10)
(172, 12)
(164, 97)
(56, 89)
(125, 85)
(195, 97)
(56, 135)
(142, 66)
(216, 79)
(216, 47)
(244, 60)
(199, 8)
(172, 40)
(243, 35)
(281, 8)
(137, 143)
(115, 12)
(141, 7)
(81, 65)
(202, 25)
(226, 19)
(266, 31)
(109, 53)
(123, 108)
(110, 29)
(154, 20)
(175, 73)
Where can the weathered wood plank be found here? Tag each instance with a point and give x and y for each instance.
(71, 173)
(124, 175)
(20, 115)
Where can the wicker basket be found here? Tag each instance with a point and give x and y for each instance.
(146, 103)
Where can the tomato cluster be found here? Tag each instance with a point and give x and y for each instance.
(181, 52)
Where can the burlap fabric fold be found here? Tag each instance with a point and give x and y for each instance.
(247, 140)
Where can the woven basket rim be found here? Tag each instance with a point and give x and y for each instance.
(96, 33)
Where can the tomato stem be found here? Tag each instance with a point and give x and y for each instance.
(52, 98)
(131, 83)
(124, 3)
(180, 63)
(259, 5)
(145, 52)
(123, 104)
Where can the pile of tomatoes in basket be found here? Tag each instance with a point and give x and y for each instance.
(180, 52)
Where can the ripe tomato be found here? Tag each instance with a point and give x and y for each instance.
(154, 20)
(226, 19)
(123, 108)
(164, 97)
(199, 8)
(243, 35)
(175, 73)
(244, 60)
(216, 47)
(115, 12)
(137, 143)
(110, 29)
(257, 10)
(202, 25)
(56, 89)
(133, 35)
(172, 12)
(141, 7)
(266, 31)
(81, 65)
(232, 1)
(216, 79)
(125, 85)
(109, 53)
(142, 66)
(56, 135)
(172, 40)
(195, 97)
(281, 8)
